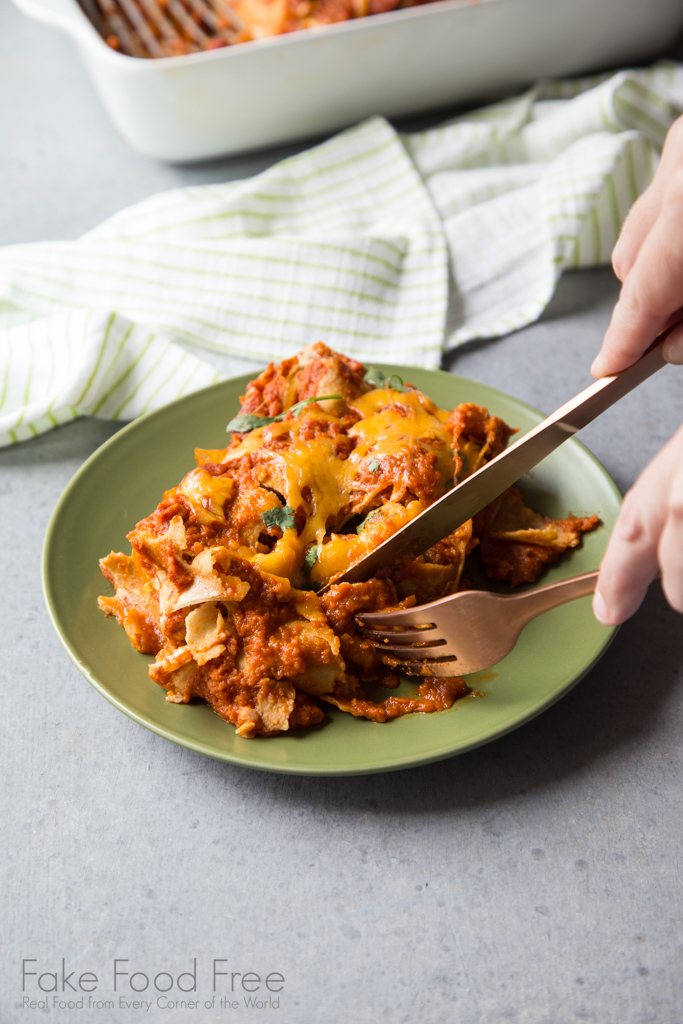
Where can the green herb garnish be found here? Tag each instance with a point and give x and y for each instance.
(310, 559)
(298, 406)
(246, 421)
(369, 516)
(282, 517)
(378, 379)
(309, 562)
(373, 465)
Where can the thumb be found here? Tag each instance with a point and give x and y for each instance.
(672, 349)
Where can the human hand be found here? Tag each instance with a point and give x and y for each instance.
(647, 538)
(648, 260)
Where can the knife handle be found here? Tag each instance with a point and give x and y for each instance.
(581, 410)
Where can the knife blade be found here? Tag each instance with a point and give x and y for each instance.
(477, 491)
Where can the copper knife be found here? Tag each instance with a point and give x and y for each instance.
(478, 490)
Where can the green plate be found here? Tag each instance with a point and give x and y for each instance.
(123, 481)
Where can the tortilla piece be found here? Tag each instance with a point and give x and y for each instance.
(517, 543)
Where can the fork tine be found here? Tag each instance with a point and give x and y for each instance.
(444, 667)
(402, 617)
(395, 635)
(412, 653)
(391, 645)
(387, 644)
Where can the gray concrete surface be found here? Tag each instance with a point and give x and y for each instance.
(537, 880)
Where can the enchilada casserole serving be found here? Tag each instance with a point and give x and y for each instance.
(326, 460)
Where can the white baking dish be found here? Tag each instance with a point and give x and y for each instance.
(260, 93)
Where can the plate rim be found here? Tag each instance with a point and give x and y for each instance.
(228, 757)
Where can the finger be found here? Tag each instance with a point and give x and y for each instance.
(638, 224)
(628, 568)
(646, 210)
(630, 333)
(652, 291)
(672, 349)
(631, 561)
(671, 544)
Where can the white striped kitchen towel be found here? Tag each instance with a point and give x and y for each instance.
(391, 248)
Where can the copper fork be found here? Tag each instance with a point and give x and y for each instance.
(465, 632)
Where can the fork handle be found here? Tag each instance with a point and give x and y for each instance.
(525, 607)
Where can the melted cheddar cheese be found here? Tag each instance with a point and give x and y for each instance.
(311, 476)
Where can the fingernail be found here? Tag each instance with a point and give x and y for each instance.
(673, 352)
(596, 367)
(600, 609)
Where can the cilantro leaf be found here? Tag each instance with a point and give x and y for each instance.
(282, 517)
(373, 465)
(246, 421)
(378, 379)
(369, 516)
(298, 406)
(310, 559)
